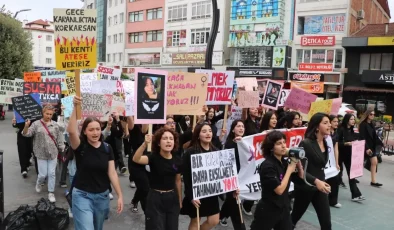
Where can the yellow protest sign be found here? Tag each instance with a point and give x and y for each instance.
(75, 38)
(70, 82)
(323, 106)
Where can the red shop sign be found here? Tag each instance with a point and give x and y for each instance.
(318, 40)
(315, 67)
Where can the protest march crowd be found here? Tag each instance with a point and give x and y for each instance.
(205, 144)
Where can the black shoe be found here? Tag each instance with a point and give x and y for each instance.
(376, 184)
(356, 181)
(24, 174)
(134, 207)
(342, 185)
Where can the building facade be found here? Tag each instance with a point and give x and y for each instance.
(116, 33)
(42, 34)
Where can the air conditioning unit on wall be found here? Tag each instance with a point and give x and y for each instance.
(360, 14)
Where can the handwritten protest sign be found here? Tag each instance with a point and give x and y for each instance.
(213, 173)
(32, 76)
(298, 99)
(220, 86)
(118, 105)
(8, 89)
(75, 38)
(186, 93)
(357, 167)
(55, 76)
(323, 106)
(86, 82)
(128, 87)
(108, 73)
(104, 87)
(248, 99)
(50, 92)
(96, 105)
(67, 102)
(27, 107)
(70, 82)
(247, 83)
(336, 105)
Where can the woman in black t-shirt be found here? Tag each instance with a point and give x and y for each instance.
(95, 173)
(164, 197)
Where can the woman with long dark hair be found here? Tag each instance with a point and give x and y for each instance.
(368, 133)
(316, 190)
(273, 209)
(334, 181)
(230, 207)
(290, 120)
(268, 121)
(346, 136)
(208, 207)
(150, 89)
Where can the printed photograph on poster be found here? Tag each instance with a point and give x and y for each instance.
(151, 96)
(271, 95)
(283, 96)
(261, 86)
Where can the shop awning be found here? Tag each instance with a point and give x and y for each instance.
(367, 89)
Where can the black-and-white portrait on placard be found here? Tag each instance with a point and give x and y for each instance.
(283, 96)
(271, 95)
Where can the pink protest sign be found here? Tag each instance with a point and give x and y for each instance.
(220, 86)
(299, 99)
(336, 105)
(150, 104)
(357, 167)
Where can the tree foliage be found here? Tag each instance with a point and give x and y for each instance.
(15, 47)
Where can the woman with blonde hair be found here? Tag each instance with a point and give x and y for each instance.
(48, 141)
(368, 133)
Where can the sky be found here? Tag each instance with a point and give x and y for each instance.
(40, 9)
(391, 4)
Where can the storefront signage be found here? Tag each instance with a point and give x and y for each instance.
(318, 40)
(310, 87)
(315, 67)
(325, 24)
(307, 77)
(188, 58)
(378, 77)
(254, 72)
(381, 41)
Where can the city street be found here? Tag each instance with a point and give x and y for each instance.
(375, 213)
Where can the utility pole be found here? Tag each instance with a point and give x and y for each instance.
(212, 35)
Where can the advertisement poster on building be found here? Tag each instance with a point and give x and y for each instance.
(325, 24)
(271, 95)
(306, 77)
(75, 38)
(246, 35)
(279, 57)
(323, 67)
(151, 96)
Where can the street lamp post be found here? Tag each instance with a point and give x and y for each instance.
(20, 12)
(212, 35)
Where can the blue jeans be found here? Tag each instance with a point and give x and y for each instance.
(47, 168)
(89, 209)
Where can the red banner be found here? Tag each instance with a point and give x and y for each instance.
(318, 40)
(325, 67)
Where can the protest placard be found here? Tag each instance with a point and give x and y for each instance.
(118, 105)
(8, 90)
(75, 38)
(27, 107)
(108, 73)
(300, 100)
(50, 92)
(186, 93)
(151, 96)
(104, 87)
(86, 82)
(247, 83)
(323, 106)
(248, 99)
(357, 166)
(271, 95)
(128, 87)
(213, 173)
(67, 102)
(96, 105)
(283, 96)
(32, 76)
(336, 105)
(55, 76)
(70, 82)
(220, 86)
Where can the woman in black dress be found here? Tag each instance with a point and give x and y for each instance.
(208, 207)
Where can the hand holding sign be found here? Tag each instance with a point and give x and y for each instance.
(27, 123)
(77, 101)
(148, 139)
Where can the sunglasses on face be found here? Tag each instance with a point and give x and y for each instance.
(171, 123)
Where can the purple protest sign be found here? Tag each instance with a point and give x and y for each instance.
(299, 99)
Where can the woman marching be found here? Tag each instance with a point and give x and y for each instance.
(95, 173)
(273, 209)
(164, 197)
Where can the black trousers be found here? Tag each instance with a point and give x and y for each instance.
(230, 209)
(63, 172)
(162, 211)
(126, 147)
(117, 148)
(319, 200)
(248, 204)
(25, 149)
(334, 183)
(141, 181)
(129, 167)
(347, 161)
(270, 216)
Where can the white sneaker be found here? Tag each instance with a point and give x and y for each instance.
(24, 174)
(132, 184)
(338, 205)
(111, 197)
(70, 213)
(51, 197)
(358, 199)
(38, 188)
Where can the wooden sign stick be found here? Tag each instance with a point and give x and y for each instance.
(150, 133)
(225, 117)
(78, 91)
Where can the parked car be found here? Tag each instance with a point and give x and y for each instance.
(347, 108)
(362, 105)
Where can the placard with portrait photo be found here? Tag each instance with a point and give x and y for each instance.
(151, 97)
(271, 95)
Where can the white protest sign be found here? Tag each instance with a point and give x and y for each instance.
(220, 86)
(86, 82)
(10, 89)
(213, 173)
(96, 105)
(108, 73)
(104, 87)
(128, 87)
(118, 105)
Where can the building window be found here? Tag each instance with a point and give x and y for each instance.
(136, 37)
(375, 61)
(338, 58)
(109, 39)
(154, 14)
(307, 56)
(115, 38)
(109, 21)
(137, 16)
(199, 36)
(108, 57)
(319, 56)
(49, 49)
(299, 54)
(114, 57)
(48, 60)
(49, 37)
(155, 35)
(201, 9)
(176, 38)
(120, 37)
(120, 57)
(115, 19)
(121, 18)
(116, 2)
(177, 13)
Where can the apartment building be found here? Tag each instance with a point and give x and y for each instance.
(116, 33)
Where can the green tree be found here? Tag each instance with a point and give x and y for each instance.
(15, 47)
(124, 77)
